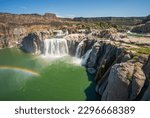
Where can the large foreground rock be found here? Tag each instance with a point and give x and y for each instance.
(146, 68)
(138, 80)
(125, 82)
(118, 82)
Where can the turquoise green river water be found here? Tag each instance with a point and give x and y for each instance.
(27, 77)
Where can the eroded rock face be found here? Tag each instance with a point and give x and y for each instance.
(31, 43)
(94, 54)
(118, 82)
(138, 80)
(73, 41)
(14, 27)
(118, 76)
(146, 69)
(111, 34)
(108, 53)
(125, 82)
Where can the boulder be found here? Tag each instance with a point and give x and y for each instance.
(118, 82)
(125, 82)
(126, 58)
(138, 80)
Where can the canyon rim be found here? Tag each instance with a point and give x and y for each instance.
(46, 57)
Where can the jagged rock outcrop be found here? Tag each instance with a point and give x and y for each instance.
(111, 34)
(87, 44)
(138, 80)
(146, 69)
(14, 27)
(125, 82)
(31, 44)
(119, 76)
(93, 56)
(118, 73)
(73, 40)
(108, 55)
(118, 82)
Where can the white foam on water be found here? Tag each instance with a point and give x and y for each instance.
(76, 61)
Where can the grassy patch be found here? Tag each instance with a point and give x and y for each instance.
(142, 50)
(139, 51)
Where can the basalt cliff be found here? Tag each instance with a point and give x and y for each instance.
(119, 62)
(121, 68)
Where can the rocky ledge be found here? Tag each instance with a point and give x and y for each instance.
(122, 70)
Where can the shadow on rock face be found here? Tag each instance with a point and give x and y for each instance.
(90, 92)
(31, 43)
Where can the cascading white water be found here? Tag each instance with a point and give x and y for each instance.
(55, 47)
(82, 59)
(86, 57)
(79, 49)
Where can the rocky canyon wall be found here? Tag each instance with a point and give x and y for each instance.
(15, 27)
(120, 73)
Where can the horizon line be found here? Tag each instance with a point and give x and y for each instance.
(66, 16)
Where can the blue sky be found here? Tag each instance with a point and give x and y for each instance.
(77, 8)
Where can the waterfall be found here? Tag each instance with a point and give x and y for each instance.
(86, 57)
(79, 49)
(55, 47)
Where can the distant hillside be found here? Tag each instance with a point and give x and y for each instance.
(146, 19)
(114, 20)
(144, 27)
(23, 19)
